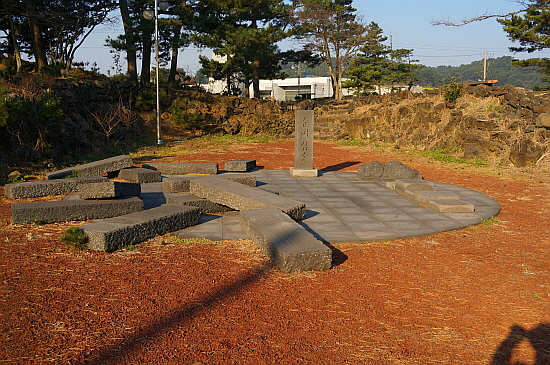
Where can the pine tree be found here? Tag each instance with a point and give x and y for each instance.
(331, 30)
(377, 64)
(246, 33)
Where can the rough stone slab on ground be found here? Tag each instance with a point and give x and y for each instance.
(94, 168)
(34, 189)
(242, 197)
(386, 171)
(113, 234)
(140, 175)
(72, 210)
(284, 241)
(205, 205)
(108, 190)
(181, 184)
(239, 165)
(183, 168)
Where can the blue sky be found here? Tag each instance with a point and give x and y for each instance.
(410, 24)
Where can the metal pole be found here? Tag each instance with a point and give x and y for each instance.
(159, 141)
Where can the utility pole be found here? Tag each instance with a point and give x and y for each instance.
(485, 54)
(484, 66)
(391, 45)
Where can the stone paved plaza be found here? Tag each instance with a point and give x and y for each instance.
(341, 209)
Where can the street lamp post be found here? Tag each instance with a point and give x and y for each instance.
(149, 14)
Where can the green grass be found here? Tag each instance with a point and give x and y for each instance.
(75, 238)
(490, 222)
(353, 142)
(444, 155)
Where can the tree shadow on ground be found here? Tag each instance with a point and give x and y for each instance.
(116, 353)
(538, 337)
(340, 166)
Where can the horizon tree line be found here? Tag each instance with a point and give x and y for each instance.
(245, 32)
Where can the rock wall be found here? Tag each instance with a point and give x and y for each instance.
(500, 124)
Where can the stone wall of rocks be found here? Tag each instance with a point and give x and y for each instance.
(93, 109)
(501, 124)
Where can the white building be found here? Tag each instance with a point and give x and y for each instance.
(219, 86)
(292, 89)
(297, 88)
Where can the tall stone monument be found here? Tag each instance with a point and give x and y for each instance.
(303, 145)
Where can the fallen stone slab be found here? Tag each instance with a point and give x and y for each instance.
(242, 197)
(94, 168)
(205, 205)
(72, 210)
(386, 171)
(409, 188)
(113, 234)
(289, 245)
(140, 175)
(414, 185)
(184, 168)
(423, 196)
(182, 184)
(270, 189)
(239, 165)
(108, 190)
(34, 189)
(450, 206)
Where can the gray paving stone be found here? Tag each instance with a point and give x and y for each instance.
(140, 175)
(108, 190)
(377, 235)
(284, 241)
(242, 197)
(113, 234)
(184, 168)
(94, 168)
(408, 233)
(34, 189)
(72, 210)
(365, 225)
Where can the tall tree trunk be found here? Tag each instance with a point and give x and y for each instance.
(131, 55)
(146, 60)
(256, 78)
(174, 58)
(12, 43)
(247, 89)
(39, 49)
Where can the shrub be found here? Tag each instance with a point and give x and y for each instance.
(74, 237)
(451, 92)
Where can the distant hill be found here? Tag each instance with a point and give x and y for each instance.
(500, 69)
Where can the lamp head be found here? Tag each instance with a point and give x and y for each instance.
(163, 5)
(148, 13)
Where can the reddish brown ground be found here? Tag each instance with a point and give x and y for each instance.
(452, 298)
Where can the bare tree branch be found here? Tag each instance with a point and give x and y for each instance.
(525, 6)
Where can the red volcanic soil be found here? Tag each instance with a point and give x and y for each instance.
(479, 295)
